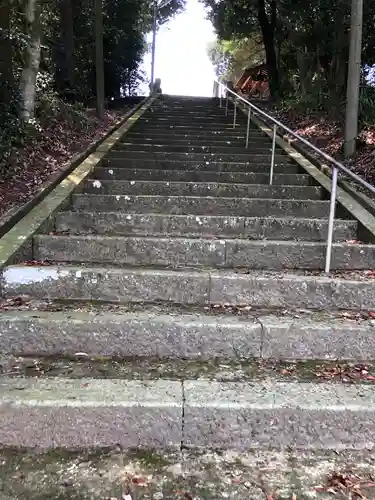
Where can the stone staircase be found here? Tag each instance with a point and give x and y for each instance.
(178, 265)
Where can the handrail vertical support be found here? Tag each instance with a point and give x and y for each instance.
(235, 113)
(220, 96)
(226, 104)
(273, 154)
(248, 127)
(331, 219)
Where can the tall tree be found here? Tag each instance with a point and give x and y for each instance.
(99, 58)
(6, 53)
(32, 60)
(67, 42)
(267, 24)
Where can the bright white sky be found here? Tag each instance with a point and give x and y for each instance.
(181, 59)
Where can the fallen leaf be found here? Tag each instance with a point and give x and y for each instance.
(140, 481)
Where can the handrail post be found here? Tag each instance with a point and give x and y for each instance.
(331, 219)
(226, 104)
(220, 95)
(235, 112)
(273, 154)
(248, 127)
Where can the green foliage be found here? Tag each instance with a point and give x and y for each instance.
(59, 90)
(231, 57)
(310, 39)
(367, 106)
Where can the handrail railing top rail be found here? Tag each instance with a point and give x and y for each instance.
(326, 156)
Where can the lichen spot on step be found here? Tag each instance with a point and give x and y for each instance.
(28, 275)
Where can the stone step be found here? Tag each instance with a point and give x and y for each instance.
(197, 132)
(140, 174)
(81, 413)
(185, 119)
(149, 162)
(200, 157)
(170, 115)
(198, 205)
(181, 140)
(213, 138)
(180, 335)
(231, 190)
(192, 127)
(141, 334)
(261, 147)
(117, 223)
(200, 287)
(175, 252)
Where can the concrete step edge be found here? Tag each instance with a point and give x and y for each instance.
(221, 189)
(256, 243)
(200, 205)
(177, 252)
(190, 336)
(348, 291)
(277, 175)
(111, 182)
(141, 196)
(117, 223)
(86, 413)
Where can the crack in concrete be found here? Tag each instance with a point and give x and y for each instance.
(183, 401)
(258, 320)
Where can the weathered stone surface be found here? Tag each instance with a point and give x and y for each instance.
(115, 223)
(204, 121)
(303, 415)
(106, 284)
(128, 335)
(303, 338)
(196, 132)
(180, 252)
(280, 255)
(231, 190)
(199, 205)
(200, 157)
(142, 174)
(297, 229)
(209, 226)
(147, 162)
(292, 291)
(112, 223)
(187, 141)
(166, 146)
(165, 252)
(88, 413)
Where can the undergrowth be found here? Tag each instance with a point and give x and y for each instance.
(53, 115)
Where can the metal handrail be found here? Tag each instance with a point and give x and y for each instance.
(336, 165)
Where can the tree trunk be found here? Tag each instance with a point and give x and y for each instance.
(99, 59)
(267, 27)
(6, 54)
(354, 78)
(67, 36)
(32, 60)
